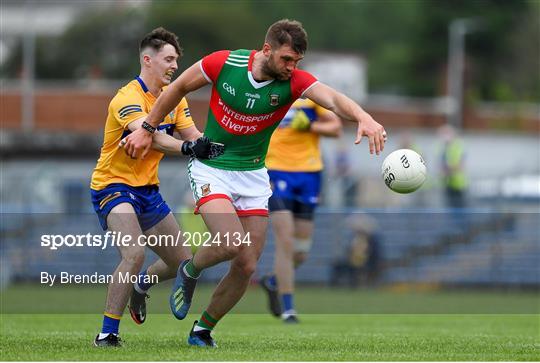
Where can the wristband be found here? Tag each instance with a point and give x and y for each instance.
(151, 129)
(183, 148)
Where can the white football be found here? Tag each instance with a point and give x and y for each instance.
(404, 171)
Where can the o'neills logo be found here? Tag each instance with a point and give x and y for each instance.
(242, 124)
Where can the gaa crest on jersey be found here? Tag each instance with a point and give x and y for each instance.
(205, 189)
(274, 100)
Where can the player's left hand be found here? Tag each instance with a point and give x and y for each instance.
(300, 121)
(203, 148)
(375, 133)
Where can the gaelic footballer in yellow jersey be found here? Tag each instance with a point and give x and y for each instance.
(125, 191)
(132, 102)
(292, 146)
(117, 177)
(294, 157)
(294, 165)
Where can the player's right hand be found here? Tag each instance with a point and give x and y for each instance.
(203, 148)
(137, 143)
(375, 133)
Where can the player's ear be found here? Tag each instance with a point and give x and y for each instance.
(267, 49)
(146, 59)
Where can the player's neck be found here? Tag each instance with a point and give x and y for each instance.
(257, 68)
(153, 85)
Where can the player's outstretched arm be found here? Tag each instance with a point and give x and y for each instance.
(200, 148)
(140, 141)
(193, 143)
(347, 109)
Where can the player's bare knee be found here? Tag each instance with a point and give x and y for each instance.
(299, 258)
(245, 268)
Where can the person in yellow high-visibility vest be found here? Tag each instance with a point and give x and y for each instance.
(454, 176)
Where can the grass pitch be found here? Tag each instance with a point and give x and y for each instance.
(260, 337)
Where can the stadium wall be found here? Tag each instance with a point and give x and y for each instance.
(58, 108)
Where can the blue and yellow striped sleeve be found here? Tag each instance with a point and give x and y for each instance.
(183, 118)
(127, 108)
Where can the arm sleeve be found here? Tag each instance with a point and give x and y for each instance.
(211, 64)
(301, 81)
(183, 118)
(126, 109)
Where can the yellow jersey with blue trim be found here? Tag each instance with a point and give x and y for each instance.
(132, 102)
(293, 150)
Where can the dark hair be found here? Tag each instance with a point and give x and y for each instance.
(157, 38)
(288, 32)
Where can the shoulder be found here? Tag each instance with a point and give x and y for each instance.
(128, 90)
(300, 75)
(218, 56)
(211, 64)
(127, 95)
(301, 81)
(241, 53)
(183, 103)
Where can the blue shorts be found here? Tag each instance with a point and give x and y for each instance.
(147, 202)
(295, 191)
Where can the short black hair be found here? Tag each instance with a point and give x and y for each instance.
(288, 32)
(157, 39)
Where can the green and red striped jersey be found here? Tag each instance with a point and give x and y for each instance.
(243, 112)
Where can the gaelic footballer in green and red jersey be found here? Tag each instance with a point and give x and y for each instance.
(244, 112)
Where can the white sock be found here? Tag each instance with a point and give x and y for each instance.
(288, 313)
(104, 335)
(187, 273)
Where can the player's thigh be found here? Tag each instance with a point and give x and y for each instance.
(223, 223)
(220, 217)
(246, 261)
(307, 194)
(282, 222)
(123, 219)
(256, 228)
(167, 241)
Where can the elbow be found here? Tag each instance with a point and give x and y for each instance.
(337, 130)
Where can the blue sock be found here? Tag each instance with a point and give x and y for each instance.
(110, 323)
(272, 281)
(140, 281)
(287, 301)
